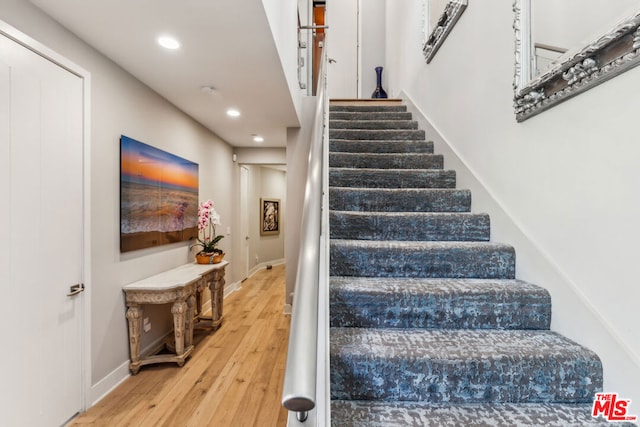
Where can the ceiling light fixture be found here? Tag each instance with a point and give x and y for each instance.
(232, 112)
(258, 138)
(168, 42)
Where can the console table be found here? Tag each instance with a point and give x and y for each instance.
(213, 279)
(181, 286)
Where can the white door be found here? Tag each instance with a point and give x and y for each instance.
(41, 232)
(342, 49)
(244, 220)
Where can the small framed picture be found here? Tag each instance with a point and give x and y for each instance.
(269, 217)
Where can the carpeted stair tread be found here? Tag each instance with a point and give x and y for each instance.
(461, 366)
(386, 160)
(373, 124)
(392, 178)
(383, 134)
(429, 326)
(367, 108)
(403, 200)
(438, 303)
(370, 115)
(358, 413)
(365, 258)
(380, 146)
(423, 226)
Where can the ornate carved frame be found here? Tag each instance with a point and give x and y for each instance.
(611, 54)
(452, 12)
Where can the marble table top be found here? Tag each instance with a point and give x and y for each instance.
(175, 278)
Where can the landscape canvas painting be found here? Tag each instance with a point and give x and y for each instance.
(158, 196)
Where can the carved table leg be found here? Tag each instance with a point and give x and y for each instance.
(198, 302)
(179, 310)
(191, 307)
(216, 286)
(134, 318)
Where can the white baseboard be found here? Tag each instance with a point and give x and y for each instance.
(229, 289)
(263, 265)
(121, 373)
(106, 385)
(112, 380)
(287, 309)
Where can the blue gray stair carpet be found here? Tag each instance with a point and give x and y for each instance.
(429, 325)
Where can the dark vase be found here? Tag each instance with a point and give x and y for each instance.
(379, 92)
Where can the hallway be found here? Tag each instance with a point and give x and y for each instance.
(233, 378)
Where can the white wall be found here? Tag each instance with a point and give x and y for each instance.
(298, 144)
(372, 45)
(265, 182)
(261, 156)
(122, 105)
(561, 186)
(283, 16)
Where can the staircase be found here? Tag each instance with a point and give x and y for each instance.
(429, 326)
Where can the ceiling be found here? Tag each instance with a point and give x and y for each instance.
(226, 45)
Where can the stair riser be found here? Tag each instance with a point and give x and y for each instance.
(368, 146)
(425, 227)
(345, 115)
(346, 413)
(380, 178)
(373, 124)
(345, 199)
(485, 311)
(368, 108)
(386, 161)
(484, 262)
(393, 135)
(360, 313)
(466, 381)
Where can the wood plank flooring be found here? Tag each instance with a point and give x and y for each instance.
(233, 378)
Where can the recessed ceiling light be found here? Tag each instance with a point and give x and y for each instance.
(232, 112)
(258, 138)
(168, 42)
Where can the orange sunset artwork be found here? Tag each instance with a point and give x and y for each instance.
(158, 196)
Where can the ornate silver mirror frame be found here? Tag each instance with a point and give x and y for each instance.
(452, 12)
(607, 56)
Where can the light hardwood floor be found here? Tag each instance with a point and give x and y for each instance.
(233, 378)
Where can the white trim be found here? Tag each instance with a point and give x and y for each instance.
(263, 266)
(109, 383)
(229, 289)
(85, 316)
(42, 50)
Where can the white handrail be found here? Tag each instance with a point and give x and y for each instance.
(308, 337)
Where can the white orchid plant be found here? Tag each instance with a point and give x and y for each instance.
(208, 218)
